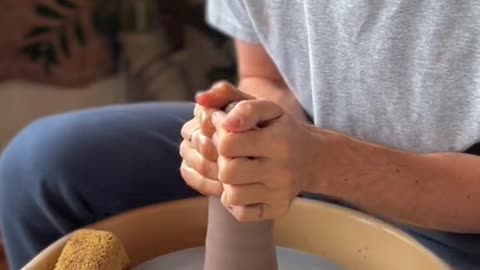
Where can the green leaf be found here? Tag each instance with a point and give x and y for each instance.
(38, 31)
(50, 59)
(79, 33)
(105, 17)
(33, 51)
(67, 4)
(45, 11)
(64, 42)
(43, 52)
(47, 67)
(51, 55)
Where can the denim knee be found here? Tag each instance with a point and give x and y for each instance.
(33, 170)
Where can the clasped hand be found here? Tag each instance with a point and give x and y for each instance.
(256, 154)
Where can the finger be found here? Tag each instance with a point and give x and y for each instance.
(241, 171)
(205, 146)
(252, 213)
(200, 183)
(254, 143)
(221, 94)
(238, 195)
(196, 161)
(188, 128)
(217, 120)
(204, 118)
(250, 114)
(197, 109)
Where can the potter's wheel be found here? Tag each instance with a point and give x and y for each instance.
(192, 259)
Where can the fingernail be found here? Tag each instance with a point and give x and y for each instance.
(199, 93)
(234, 122)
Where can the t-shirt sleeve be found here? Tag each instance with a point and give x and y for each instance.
(231, 18)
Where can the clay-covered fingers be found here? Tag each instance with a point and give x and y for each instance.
(200, 183)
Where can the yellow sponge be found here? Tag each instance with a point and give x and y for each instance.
(93, 250)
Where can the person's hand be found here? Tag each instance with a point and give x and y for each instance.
(199, 165)
(217, 98)
(199, 168)
(265, 159)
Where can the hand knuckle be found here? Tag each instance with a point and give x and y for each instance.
(203, 167)
(242, 214)
(181, 150)
(226, 146)
(207, 150)
(207, 128)
(183, 171)
(222, 175)
(202, 148)
(186, 176)
(226, 172)
(224, 200)
(184, 130)
(197, 109)
(201, 184)
(234, 197)
(245, 106)
(204, 117)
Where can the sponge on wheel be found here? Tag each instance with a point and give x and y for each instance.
(93, 250)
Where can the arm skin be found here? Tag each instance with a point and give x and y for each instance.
(260, 78)
(435, 191)
(439, 191)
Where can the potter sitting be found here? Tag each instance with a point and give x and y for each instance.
(374, 104)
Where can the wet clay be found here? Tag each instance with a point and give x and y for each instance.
(232, 245)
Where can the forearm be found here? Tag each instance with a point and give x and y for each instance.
(436, 191)
(275, 91)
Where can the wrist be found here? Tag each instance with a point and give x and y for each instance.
(348, 166)
(340, 161)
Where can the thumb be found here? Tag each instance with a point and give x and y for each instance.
(221, 94)
(249, 115)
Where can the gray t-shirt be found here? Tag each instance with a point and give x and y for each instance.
(400, 73)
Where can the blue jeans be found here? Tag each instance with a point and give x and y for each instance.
(67, 171)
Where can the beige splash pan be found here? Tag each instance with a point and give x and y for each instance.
(350, 239)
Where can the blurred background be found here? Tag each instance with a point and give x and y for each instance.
(62, 55)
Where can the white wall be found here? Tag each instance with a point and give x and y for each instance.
(21, 102)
